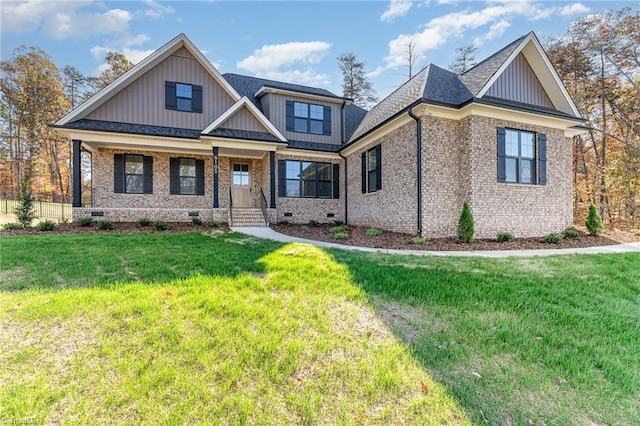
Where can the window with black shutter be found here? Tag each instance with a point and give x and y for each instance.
(303, 117)
(182, 97)
(307, 179)
(517, 157)
(186, 176)
(372, 169)
(132, 174)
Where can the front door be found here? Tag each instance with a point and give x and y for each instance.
(241, 185)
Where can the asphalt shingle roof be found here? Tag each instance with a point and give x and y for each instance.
(244, 134)
(136, 129)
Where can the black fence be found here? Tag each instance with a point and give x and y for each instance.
(44, 209)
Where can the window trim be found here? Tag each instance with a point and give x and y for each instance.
(120, 174)
(537, 160)
(171, 97)
(366, 171)
(127, 174)
(181, 176)
(292, 118)
(175, 176)
(332, 182)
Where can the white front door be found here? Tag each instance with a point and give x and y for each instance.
(241, 185)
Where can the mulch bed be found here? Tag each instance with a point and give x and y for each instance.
(399, 241)
(120, 227)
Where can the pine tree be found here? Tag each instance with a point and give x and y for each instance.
(465, 59)
(355, 84)
(594, 221)
(25, 212)
(465, 225)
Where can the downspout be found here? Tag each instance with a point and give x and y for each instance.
(346, 205)
(419, 166)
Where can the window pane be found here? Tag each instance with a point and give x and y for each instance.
(324, 171)
(511, 165)
(316, 127)
(134, 184)
(245, 167)
(245, 178)
(309, 188)
(293, 169)
(188, 167)
(134, 164)
(525, 171)
(511, 143)
(372, 184)
(316, 112)
(293, 188)
(237, 179)
(236, 167)
(371, 160)
(300, 109)
(300, 125)
(324, 189)
(183, 90)
(526, 145)
(183, 104)
(187, 185)
(308, 171)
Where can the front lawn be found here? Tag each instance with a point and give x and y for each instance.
(225, 328)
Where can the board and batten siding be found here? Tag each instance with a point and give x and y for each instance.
(243, 120)
(142, 102)
(519, 83)
(275, 109)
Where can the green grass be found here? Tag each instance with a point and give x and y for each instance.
(224, 328)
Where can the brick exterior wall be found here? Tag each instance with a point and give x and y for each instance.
(305, 209)
(394, 206)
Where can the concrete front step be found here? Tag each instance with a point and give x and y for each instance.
(247, 217)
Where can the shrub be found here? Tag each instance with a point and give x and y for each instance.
(553, 238)
(85, 221)
(594, 221)
(104, 225)
(25, 212)
(418, 240)
(304, 228)
(570, 233)
(504, 237)
(338, 222)
(160, 225)
(339, 228)
(313, 222)
(374, 232)
(144, 222)
(11, 226)
(340, 236)
(283, 222)
(46, 225)
(196, 221)
(465, 225)
(213, 224)
(63, 221)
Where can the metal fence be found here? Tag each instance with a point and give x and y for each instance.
(44, 209)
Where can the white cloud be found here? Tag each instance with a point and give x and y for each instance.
(72, 25)
(275, 61)
(396, 9)
(574, 9)
(28, 15)
(495, 31)
(156, 10)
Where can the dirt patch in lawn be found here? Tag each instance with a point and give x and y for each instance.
(357, 236)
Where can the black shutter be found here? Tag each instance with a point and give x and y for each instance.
(196, 100)
(502, 172)
(290, 123)
(147, 167)
(199, 177)
(174, 176)
(336, 181)
(379, 167)
(326, 123)
(282, 178)
(169, 95)
(364, 172)
(118, 173)
(542, 159)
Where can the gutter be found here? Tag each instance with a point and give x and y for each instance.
(418, 167)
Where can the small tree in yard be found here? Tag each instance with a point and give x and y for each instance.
(25, 212)
(465, 225)
(594, 221)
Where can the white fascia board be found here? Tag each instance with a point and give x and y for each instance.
(242, 143)
(254, 110)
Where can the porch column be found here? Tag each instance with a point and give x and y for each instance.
(272, 183)
(77, 173)
(216, 202)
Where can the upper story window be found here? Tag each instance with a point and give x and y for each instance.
(372, 169)
(304, 117)
(517, 157)
(182, 96)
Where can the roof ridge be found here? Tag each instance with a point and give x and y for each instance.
(517, 41)
(278, 81)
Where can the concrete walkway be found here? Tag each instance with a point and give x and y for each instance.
(270, 234)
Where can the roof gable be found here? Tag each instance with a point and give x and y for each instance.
(122, 82)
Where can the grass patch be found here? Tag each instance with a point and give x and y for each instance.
(234, 329)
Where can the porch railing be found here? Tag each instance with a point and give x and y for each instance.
(263, 206)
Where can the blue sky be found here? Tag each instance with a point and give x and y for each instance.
(295, 41)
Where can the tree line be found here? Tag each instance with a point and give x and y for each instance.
(597, 59)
